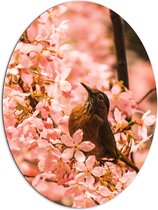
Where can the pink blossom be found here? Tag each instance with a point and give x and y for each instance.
(146, 121)
(89, 171)
(127, 178)
(83, 201)
(123, 100)
(60, 79)
(59, 10)
(55, 163)
(14, 71)
(43, 107)
(24, 61)
(27, 48)
(62, 26)
(104, 191)
(121, 138)
(26, 77)
(76, 146)
(47, 189)
(32, 31)
(51, 164)
(64, 123)
(116, 90)
(121, 123)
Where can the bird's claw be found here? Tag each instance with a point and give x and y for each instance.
(102, 162)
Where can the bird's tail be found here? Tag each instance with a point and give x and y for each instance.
(124, 159)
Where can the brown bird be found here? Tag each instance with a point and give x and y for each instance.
(91, 117)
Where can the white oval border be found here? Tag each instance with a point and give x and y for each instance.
(15, 192)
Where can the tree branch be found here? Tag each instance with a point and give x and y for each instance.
(122, 71)
(28, 177)
(146, 95)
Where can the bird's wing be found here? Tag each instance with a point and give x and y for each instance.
(108, 141)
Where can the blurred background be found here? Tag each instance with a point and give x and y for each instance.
(90, 36)
(91, 33)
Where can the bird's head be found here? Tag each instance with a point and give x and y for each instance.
(98, 101)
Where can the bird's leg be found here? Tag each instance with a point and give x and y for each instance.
(101, 162)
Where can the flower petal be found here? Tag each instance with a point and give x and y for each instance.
(80, 177)
(63, 26)
(146, 114)
(59, 10)
(149, 120)
(67, 140)
(86, 146)
(98, 171)
(80, 166)
(27, 77)
(77, 136)
(104, 191)
(90, 161)
(143, 132)
(127, 96)
(24, 61)
(66, 71)
(128, 178)
(65, 86)
(67, 153)
(80, 157)
(116, 89)
(36, 180)
(117, 115)
(69, 192)
(90, 180)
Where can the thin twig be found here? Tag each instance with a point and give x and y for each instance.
(32, 177)
(146, 95)
(96, 202)
(29, 177)
(122, 71)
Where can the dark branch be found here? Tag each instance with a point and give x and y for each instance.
(33, 101)
(28, 177)
(122, 71)
(32, 177)
(146, 95)
(96, 202)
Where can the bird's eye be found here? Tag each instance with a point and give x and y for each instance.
(100, 97)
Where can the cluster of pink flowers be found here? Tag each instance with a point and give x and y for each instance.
(42, 85)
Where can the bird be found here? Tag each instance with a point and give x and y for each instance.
(92, 117)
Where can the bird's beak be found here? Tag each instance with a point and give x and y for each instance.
(89, 90)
